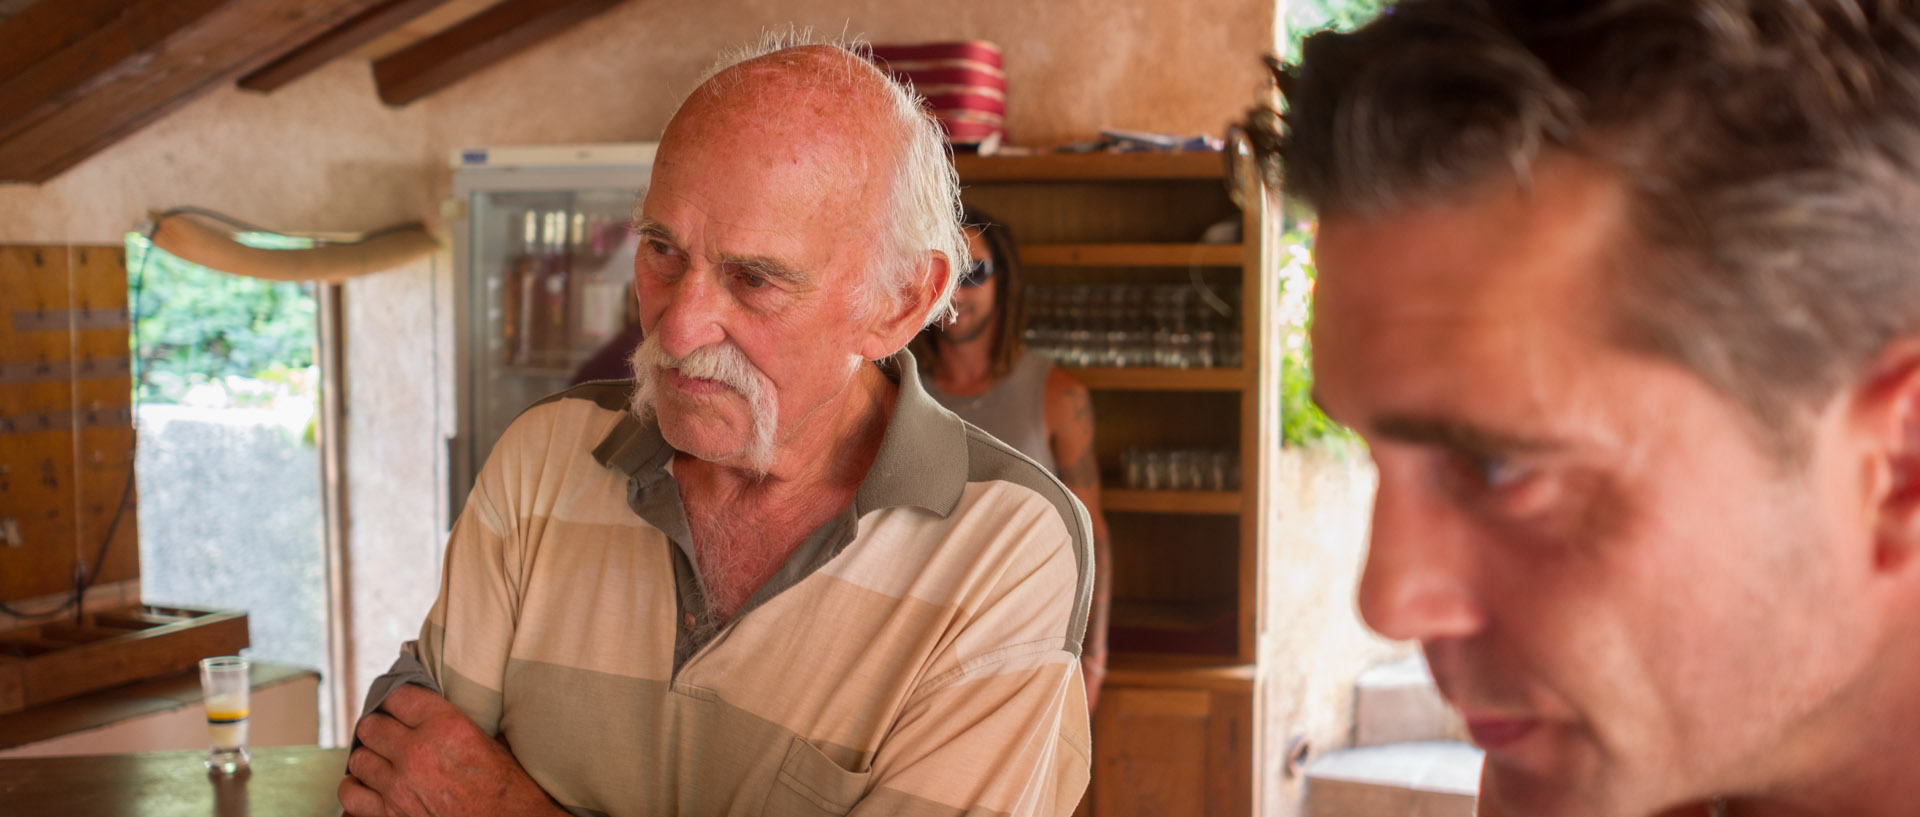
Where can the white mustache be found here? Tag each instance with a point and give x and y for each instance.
(724, 364)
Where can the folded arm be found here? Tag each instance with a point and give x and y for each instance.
(425, 744)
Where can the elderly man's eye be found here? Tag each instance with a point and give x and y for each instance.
(752, 281)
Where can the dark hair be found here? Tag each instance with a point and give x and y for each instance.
(1009, 297)
(1770, 150)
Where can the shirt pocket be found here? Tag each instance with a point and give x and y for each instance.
(809, 783)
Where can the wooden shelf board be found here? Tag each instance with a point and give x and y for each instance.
(1146, 379)
(1195, 629)
(1091, 167)
(1198, 672)
(1132, 255)
(1168, 615)
(1194, 502)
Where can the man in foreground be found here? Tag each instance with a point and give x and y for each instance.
(1624, 298)
(775, 577)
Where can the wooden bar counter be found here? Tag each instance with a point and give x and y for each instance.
(285, 781)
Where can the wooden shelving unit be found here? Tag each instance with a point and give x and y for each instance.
(1145, 379)
(1172, 731)
(1102, 167)
(1132, 255)
(1122, 500)
(1179, 671)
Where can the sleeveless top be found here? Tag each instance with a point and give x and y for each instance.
(1014, 410)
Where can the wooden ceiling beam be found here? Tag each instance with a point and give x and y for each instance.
(364, 28)
(480, 41)
(52, 28)
(101, 69)
(9, 8)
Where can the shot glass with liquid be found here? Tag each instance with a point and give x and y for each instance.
(225, 682)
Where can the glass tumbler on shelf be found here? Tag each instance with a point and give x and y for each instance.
(1153, 470)
(1176, 471)
(1131, 467)
(1179, 348)
(1203, 348)
(225, 684)
(1194, 470)
(1219, 470)
(1230, 349)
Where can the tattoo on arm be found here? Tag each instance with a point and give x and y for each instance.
(1084, 472)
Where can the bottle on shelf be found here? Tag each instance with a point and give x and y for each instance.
(533, 331)
(523, 265)
(552, 319)
(580, 265)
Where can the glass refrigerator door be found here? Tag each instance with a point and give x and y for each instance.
(549, 290)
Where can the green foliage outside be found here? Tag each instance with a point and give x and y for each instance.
(1304, 17)
(1302, 423)
(206, 336)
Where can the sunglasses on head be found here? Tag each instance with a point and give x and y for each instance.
(978, 273)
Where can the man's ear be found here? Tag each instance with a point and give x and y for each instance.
(1890, 407)
(898, 321)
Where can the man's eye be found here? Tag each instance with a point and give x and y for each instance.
(1474, 474)
(1486, 473)
(752, 281)
(1495, 473)
(658, 247)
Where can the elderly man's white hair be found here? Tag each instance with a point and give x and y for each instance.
(925, 196)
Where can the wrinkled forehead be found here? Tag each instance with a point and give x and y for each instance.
(809, 121)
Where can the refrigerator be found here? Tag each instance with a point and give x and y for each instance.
(543, 266)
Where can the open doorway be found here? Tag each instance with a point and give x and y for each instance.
(227, 382)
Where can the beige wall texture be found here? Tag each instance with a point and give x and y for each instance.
(1313, 644)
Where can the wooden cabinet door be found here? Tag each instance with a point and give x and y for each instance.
(1170, 752)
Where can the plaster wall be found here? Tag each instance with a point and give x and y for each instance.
(1313, 644)
(397, 405)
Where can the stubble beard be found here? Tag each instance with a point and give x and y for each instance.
(725, 364)
(957, 336)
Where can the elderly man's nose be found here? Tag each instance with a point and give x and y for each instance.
(692, 317)
(1419, 583)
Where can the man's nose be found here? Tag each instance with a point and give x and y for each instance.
(1420, 579)
(693, 315)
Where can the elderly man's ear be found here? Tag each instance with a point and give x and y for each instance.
(896, 324)
(1888, 406)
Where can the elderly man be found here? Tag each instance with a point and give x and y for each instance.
(776, 578)
(1624, 297)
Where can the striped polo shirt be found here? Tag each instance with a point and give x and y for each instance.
(916, 655)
